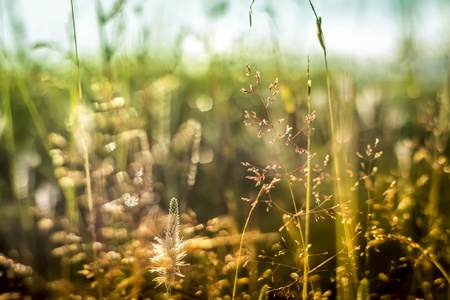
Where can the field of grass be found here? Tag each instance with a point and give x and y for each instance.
(266, 176)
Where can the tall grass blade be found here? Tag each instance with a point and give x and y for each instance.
(85, 149)
(337, 155)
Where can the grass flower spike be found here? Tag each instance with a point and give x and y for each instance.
(169, 250)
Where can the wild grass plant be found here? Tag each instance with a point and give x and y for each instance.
(298, 175)
(169, 251)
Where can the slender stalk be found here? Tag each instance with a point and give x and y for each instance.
(83, 122)
(261, 192)
(308, 196)
(336, 154)
(85, 148)
(370, 157)
(338, 173)
(369, 221)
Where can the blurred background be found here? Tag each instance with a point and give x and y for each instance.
(202, 28)
(165, 117)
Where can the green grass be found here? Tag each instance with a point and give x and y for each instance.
(336, 188)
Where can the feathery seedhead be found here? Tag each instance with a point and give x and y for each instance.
(169, 251)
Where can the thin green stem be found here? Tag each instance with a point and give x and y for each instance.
(242, 240)
(308, 196)
(83, 122)
(336, 153)
(369, 221)
(85, 148)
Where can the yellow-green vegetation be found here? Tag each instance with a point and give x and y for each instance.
(135, 177)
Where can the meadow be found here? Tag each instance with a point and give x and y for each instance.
(275, 175)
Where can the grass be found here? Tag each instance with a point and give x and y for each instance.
(87, 170)
(284, 207)
(337, 151)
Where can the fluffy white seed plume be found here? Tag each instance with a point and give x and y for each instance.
(169, 250)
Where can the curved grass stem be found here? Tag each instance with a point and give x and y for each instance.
(242, 239)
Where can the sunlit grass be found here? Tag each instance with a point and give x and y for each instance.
(337, 186)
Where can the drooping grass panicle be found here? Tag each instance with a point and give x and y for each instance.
(169, 250)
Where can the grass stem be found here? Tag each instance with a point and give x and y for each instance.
(261, 192)
(308, 196)
(336, 154)
(85, 148)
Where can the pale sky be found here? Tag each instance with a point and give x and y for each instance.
(352, 28)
